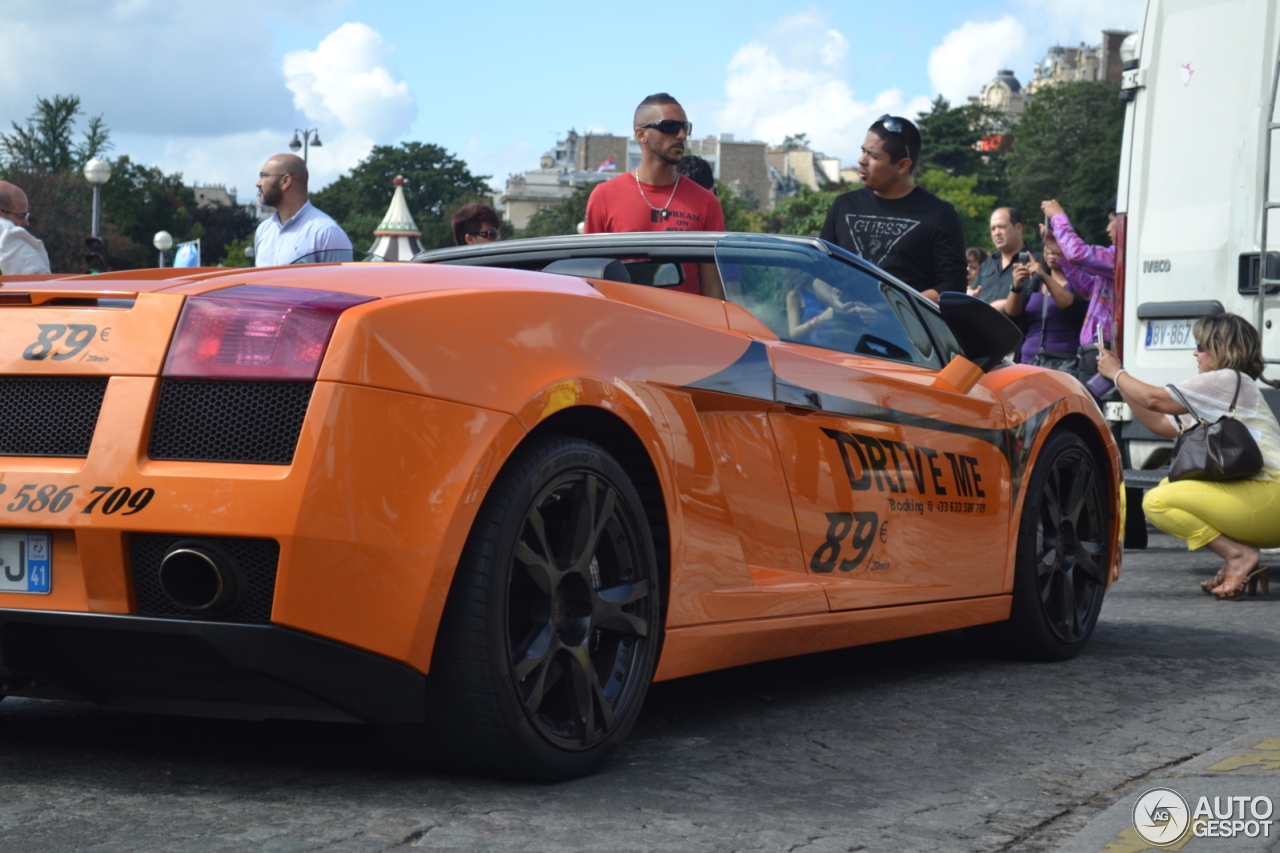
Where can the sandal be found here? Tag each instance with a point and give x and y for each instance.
(1210, 585)
(1233, 589)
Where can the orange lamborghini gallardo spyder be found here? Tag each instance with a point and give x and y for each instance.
(483, 500)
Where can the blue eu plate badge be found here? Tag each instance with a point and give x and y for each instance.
(25, 562)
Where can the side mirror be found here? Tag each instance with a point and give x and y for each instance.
(985, 334)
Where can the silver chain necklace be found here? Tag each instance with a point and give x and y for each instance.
(657, 211)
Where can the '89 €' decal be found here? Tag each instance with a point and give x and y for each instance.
(107, 500)
(61, 342)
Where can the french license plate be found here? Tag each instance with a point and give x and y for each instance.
(25, 562)
(1170, 334)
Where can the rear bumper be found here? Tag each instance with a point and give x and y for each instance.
(204, 669)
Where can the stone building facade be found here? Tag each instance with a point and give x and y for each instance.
(579, 159)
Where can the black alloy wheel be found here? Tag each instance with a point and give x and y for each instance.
(1063, 555)
(551, 632)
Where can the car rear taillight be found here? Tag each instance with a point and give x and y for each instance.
(256, 332)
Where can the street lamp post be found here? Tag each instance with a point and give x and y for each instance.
(310, 136)
(96, 172)
(164, 242)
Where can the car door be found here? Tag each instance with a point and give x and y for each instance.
(899, 483)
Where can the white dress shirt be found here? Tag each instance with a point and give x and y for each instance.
(309, 230)
(20, 252)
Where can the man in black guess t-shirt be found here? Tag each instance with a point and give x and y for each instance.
(901, 228)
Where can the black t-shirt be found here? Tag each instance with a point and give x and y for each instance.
(917, 238)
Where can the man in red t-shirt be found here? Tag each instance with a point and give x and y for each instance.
(655, 197)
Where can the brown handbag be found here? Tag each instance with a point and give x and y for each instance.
(1222, 450)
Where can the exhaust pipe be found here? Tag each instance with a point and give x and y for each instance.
(197, 579)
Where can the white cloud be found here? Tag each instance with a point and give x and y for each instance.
(349, 90)
(198, 88)
(1080, 20)
(970, 56)
(180, 67)
(795, 81)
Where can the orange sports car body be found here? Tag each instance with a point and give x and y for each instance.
(484, 500)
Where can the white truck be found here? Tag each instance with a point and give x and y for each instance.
(1197, 199)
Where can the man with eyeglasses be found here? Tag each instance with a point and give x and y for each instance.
(20, 252)
(297, 228)
(904, 229)
(475, 223)
(654, 197)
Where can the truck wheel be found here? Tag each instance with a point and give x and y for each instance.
(551, 631)
(1062, 558)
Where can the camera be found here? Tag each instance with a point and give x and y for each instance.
(1023, 257)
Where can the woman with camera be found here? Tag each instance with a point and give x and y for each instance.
(1231, 518)
(1053, 309)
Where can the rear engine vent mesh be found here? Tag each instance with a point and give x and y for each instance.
(202, 420)
(46, 416)
(253, 562)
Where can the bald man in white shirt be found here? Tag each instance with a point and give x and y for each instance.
(20, 252)
(297, 228)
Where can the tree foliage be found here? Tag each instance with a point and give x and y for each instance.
(962, 191)
(139, 201)
(802, 213)
(741, 210)
(61, 205)
(224, 225)
(952, 140)
(435, 183)
(1068, 147)
(47, 143)
(562, 217)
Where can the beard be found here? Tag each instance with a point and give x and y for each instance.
(668, 157)
(271, 196)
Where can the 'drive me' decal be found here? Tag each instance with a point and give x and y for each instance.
(880, 463)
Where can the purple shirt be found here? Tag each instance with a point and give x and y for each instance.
(1060, 331)
(1097, 263)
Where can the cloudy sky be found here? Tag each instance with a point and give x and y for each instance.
(210, 89)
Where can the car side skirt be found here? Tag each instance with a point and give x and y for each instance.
(704, 648)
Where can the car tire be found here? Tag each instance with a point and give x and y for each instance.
(551, 631)
(1063, 556)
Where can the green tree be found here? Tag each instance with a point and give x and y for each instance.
(435, 183)
(224, 225)
(61, 205)
(47, 143)
(958, 140)
(802, 213)
(235, 256)
(562, 217)
(139, 201)
(741, 211)
(962, 191)
(796, 140)
(1067, 146)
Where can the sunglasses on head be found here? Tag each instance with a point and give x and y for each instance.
(670, 126)
(890, 123)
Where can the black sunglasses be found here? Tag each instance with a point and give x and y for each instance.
(488, 234)
(670, 126)
(890, 123)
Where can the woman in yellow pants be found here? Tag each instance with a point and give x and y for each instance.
(1233, 518)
